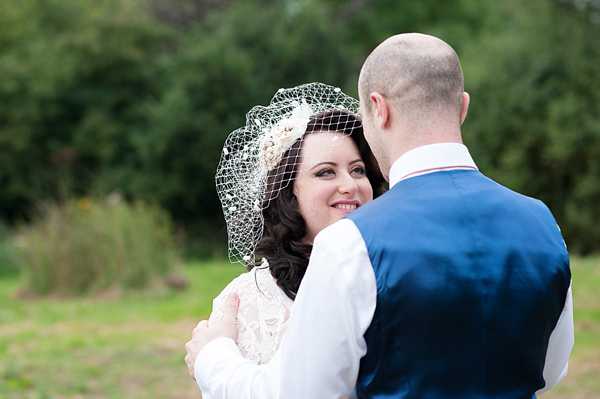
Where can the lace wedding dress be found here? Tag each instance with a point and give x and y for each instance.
(262, 315)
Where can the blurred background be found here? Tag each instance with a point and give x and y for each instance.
(113, 114)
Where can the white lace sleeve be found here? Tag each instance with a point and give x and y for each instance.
(263, 311)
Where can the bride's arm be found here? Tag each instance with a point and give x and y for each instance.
(249, 337)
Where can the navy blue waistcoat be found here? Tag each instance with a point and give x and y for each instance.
(471, 280)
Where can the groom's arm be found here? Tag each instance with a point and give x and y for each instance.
(559, 347)
(321, 351)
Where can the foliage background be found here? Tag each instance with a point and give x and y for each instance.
(138, 96)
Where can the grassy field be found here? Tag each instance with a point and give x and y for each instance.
(133, 347)
(107, 348)
(583, 380)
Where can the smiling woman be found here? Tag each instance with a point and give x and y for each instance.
(299, 165)
(329, 187)
(322, 176)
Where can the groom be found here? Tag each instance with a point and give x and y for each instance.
(447, 286)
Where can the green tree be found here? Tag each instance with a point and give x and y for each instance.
(73, 76)
(225, 65)
(101, 96)
(534, 123)
(139, 96)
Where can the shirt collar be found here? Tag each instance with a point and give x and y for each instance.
(431, 158)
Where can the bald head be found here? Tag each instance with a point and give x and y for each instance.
(419, 74)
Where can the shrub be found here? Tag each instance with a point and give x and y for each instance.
(86, 245)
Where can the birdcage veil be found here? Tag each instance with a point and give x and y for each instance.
(263, 157)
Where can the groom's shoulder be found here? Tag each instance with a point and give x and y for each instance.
(377, 213)
(516, 196)
(378, 205)
(344, 232)
(368, 209)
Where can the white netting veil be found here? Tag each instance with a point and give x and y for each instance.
(261, 158)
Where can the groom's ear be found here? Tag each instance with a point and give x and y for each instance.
(381, 109)
(466, 99)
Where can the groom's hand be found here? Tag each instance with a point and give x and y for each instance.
(203, 333)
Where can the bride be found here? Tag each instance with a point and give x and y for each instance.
(300, 164)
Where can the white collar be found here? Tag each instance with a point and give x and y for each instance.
(430, 158)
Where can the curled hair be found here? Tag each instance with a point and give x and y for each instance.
(284, 226)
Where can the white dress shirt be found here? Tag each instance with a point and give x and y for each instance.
(320, 354)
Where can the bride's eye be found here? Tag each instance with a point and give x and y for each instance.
(358, 170)
(325, 172)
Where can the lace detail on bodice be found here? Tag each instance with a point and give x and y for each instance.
(262, 314)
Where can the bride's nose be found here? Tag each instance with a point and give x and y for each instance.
(347, 184)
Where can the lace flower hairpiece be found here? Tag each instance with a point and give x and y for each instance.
(285, 133)
(258, 150)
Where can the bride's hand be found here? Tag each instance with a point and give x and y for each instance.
(203, 333)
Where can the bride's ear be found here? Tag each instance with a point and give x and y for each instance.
(381, 109)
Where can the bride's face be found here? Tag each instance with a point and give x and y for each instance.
(331, 183)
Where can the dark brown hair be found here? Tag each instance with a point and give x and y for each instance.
(284, 226)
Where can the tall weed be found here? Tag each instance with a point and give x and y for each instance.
(8, 249)
(86, 245)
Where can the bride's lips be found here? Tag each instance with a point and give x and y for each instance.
(345, 206)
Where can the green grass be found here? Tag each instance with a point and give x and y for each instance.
(133, 347)
(583, 380)
(107, 348)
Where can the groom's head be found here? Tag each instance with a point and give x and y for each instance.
(413, 83)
